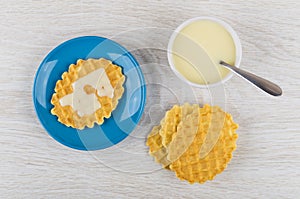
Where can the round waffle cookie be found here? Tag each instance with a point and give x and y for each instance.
(200, 148)
(70, 117)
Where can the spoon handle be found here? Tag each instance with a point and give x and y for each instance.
(260, 82)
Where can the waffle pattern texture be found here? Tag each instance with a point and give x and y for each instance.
(196, 143)
(69, 117)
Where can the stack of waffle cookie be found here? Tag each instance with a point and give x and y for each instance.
(196, 143)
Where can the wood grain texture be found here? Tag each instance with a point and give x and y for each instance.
(267, 161)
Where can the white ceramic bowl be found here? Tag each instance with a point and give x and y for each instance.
(236, 40)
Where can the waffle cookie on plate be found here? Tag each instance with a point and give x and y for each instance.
(87, 93)
(199, 147)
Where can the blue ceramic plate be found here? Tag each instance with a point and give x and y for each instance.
(124, 118)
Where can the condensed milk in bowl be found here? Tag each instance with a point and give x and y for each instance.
(196, 48)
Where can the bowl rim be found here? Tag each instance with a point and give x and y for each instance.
(236, 41)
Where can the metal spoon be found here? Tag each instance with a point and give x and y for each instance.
(260, 82)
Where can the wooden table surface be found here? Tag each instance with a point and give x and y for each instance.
(266, 163)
